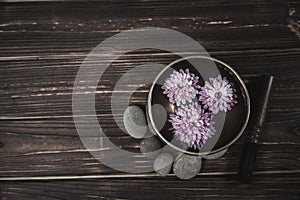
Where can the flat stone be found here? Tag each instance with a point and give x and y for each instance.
(163, 163)
(161, 116)
(150, 147)
(151, 127)
(135, 122)
(215, 155)
(186, 166)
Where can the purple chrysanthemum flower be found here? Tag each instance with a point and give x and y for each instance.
(181, 87)
(217, 94)
(192, 125)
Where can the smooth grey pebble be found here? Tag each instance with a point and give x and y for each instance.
(135, 122)
(151, 127)
(215, 155)
(150, 147)
(186, 166)
(163, 163)
(162, 116)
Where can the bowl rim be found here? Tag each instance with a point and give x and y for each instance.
(154, 128)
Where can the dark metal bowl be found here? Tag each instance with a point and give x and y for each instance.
(232, 122)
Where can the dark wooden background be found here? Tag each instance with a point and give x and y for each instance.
(42, 45)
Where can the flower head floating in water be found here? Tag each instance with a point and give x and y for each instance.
(181, 87)
(192, 125)
(218, 94)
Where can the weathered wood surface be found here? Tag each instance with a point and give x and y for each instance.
(43, 44)
(208, 187)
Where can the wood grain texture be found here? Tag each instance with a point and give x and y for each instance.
(42, 45)
(208, 187)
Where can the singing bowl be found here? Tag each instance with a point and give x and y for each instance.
(234, 121)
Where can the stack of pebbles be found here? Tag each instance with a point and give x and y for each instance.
(184, 166)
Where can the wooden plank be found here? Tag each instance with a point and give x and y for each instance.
(35, 150)
(225, 187)
(42, 98)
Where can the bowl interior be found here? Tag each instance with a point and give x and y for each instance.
(235, 119)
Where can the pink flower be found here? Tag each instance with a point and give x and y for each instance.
(192, 125)
(181, 87)
(217, 94)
